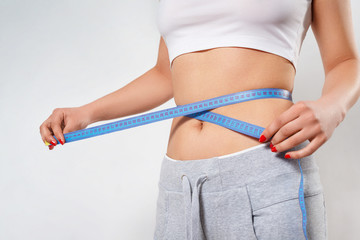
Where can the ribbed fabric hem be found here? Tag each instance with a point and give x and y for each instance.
(263, 145)
(245, 41)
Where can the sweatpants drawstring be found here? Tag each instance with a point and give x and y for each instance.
(194, 229)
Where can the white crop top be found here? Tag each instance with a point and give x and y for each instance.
(275, 26)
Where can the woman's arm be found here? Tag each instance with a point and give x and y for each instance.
(151, 89)
(333, 30)
(146, 92)
(316, 120)
(341, 89)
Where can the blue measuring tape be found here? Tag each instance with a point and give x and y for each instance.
(199, 110)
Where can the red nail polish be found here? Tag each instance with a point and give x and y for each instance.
(287, 156)
(262, 138)
(273, 149)
(271, 145)
(62, 143)
(53, 142)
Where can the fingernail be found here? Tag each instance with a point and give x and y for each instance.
(53, 142)
(271, 145)
(287, 156)
(262, 138)
(273, 149)
(51, 147)
(62, 143)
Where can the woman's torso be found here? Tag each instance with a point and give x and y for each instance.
(219, 71)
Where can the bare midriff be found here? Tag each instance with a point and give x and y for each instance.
(219, 71)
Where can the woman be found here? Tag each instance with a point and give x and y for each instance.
(216, 183)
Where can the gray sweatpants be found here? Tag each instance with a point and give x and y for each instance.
(250, 194)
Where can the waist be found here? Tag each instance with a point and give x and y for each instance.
(255, 111)
(191, 138)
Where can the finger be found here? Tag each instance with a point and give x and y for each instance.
(292, 141)
(43, 138)
(56, 128)
(51, 147)
(309, 149)
(285, 117)
(287, 131)
(46, 133)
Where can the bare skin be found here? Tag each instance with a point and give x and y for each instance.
(214, 72)
(206, 74)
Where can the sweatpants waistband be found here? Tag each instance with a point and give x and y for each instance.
(253, 165)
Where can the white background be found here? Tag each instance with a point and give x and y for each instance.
(67, 53)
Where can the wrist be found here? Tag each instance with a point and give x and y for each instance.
(334, 108)
(88, 113)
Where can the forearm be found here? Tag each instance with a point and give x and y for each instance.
(342, 87)
(146, 92)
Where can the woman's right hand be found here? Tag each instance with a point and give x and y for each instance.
(61, 121)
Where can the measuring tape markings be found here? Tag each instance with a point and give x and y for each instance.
(228, 122)
(199, 110)
(184, 110)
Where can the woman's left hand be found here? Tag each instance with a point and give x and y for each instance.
(305, 120)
